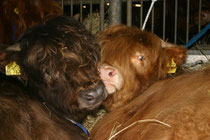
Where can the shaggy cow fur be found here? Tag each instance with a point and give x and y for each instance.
(181, 105)
(176, 108)
(132, 60)
(59, 81)
(18, 15)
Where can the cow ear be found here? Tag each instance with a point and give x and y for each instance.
(178, 54)
(7, 55)
(172, 57)
(15, 47)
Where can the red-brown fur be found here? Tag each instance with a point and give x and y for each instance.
(30, 12)
(182, 102)
(119, 47)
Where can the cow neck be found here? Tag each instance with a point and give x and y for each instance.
(69, 120)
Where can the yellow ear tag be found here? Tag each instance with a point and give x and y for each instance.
(16, 11)
(172, 66)
(12, 69)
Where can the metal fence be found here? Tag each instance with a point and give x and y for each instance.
(165, 20)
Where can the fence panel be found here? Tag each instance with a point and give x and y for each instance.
(172, 20)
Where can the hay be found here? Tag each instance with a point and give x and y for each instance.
(95, 23)
(90, 121)
(199, 64)
(114, 133)
(195, 66)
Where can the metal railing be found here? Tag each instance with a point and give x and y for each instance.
(132, 13)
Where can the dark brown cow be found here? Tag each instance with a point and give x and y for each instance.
(132, 60)
(172, 109)
(59, 82)
(18, 15)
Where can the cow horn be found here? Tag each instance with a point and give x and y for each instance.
(14, 47)
(166, 44)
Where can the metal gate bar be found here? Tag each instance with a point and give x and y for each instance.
(115, 13)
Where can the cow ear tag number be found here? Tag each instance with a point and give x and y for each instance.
(12, 69)
(172, 66)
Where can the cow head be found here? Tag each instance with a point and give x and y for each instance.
(59, 60)
(132, 60)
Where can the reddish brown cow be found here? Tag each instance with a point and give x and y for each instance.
(175, 108)
(172, 109)
(18, 15)
(57, 84)
(132, 60)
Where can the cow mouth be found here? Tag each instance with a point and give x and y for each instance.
(92, 107)
(110, 88)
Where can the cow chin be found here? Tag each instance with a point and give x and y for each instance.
(115, 85)
(110, 88)
(86, 106)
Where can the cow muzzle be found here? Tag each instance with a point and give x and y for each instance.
(91, 98)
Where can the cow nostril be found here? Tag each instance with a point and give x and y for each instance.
(111, 73)
(89, 97)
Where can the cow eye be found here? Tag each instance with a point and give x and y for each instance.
(141, 58)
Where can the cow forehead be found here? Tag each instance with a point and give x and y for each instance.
(129, 39)
(60, 46)
(121, 51)
(61, 35)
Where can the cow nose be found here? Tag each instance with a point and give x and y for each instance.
(92, 97)
(101, 89)
(107, 73)
(96, 93)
